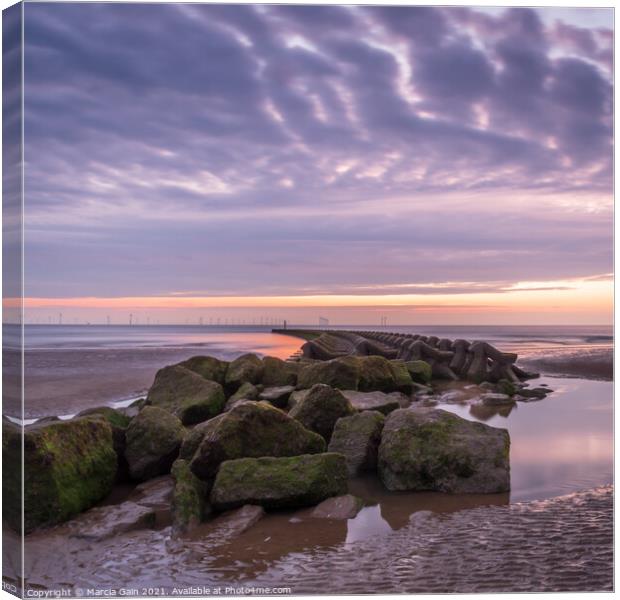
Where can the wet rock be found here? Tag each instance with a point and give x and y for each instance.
(277, 372)
(279, 482)
(235, 522)
(454, 397)
(376, 374)
(339, 508)
(186, 394)
(537, 393)
(155, 493)
(340, 373)
(153, 441)
(70, 465)
(251, 429)
(321, 408)
(278, 396)
(420, 371)
(432, 449)
(379, 401)
(189, 498)
(246, 368)
(357, 438)
(401, 377)
(496, 399)
(207, 367)
(485, 385)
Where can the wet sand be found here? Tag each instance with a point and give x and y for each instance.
(586, 362)
(561, 544)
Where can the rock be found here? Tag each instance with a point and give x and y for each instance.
(358, 437)
(340, 373)
(376, 374)
(485, 385)
(188, 499)
(207, 367)
(506, 387)
(186, 394)
(251, 429)
(69, 465)
(134, 408)
(339, 507)
(496, 399)
(277, 372)
(420, 371)
(278, 396)
(119, 422)
(154, 493)
(245, 368)
(321, 408)
(235, 522)
(192, 440)
(279, 482)
(247, 391)
(402, 378)
(379, 401)
(296, 397)
(454, 397)
(432, 449)
(153, 441)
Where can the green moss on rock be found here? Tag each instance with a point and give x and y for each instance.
(277, 372)
(279, 482)
(245, 368)
(186, 394)
(251, 429)
(420, 371)
(189, 498)
(153, 441)
(207, 367)
(68, 467)
(401, 377)
(341, 373)
(376, 374)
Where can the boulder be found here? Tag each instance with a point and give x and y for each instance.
(277, 372)
(420, 371)
(341, 373)
(296, 397)
(231, 524)
(379, 401)
(279, 482)
(278, 396)
(492, 399)
(208, 367)
(153, 441)
(504, 386)
(186, 394)
(113, 416)
(376, 374)
(321, 408)
(69, 466)
(189, 498)
(401, 376)
(338, 508)
(358, 437)
(246, 391)
(251, 429)
(245, 368)
(432, 449)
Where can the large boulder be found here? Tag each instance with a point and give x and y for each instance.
(208, 367)
(432, 449)
(277, 372)
(320, 408)
(186, 394)
(245, 368)
(341, 373)
(401, 377)
(379, 401)
(189, 498)
(153, 441)
(279, 482)
(420, 371)
(357, 438)
(376, 374)
(251, 429)
(68, 466)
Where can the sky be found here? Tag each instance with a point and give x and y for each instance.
(431, 165)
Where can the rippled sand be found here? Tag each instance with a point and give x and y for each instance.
(560, 544)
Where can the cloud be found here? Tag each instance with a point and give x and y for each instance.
(227, 148)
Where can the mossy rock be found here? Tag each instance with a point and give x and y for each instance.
(153, 441)
(189, 498)
(432, 449)
(504, 386)
(277, 372)
(376, 401)
(207, 367)
(113, 416)
(247, 391)
(378, 375)
(357, 438)
(401, 376)
(279, 482)
(341, 373)
(320, 408)
(186, 394)
(251, 429)
(420, 371)
(245, 368)
(68, 467)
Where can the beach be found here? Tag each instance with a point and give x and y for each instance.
(552, 532)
